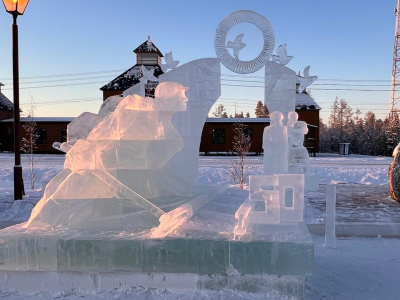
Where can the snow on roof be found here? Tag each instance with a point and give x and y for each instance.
(148, 46)
(5, 103)
(129, 78)
(43, 119)
(237, 120)
(305, 102)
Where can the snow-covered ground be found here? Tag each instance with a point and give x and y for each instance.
(358, 269)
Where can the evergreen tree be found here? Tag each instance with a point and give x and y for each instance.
(261, 110)
(239, 115)
(220, 112)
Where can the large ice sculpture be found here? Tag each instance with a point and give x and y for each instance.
(275, 145)
(115, 176)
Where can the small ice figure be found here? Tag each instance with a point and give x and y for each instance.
(299, 160)
(237, 45)
(275, 145)
(170, 63)
(282, 56)
(306, 80)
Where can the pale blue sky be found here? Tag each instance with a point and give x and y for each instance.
(342, 40)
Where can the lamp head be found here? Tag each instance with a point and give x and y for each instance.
(15, 7)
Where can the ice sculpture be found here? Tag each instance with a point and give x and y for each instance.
(116, 175)
(233, 63)
(282, 56)
(275, 145)
(280, 89)
(273, 199)
(203, 79)
(237, 45)
(170, 63)
(299, 160)
(306, 80)
(81, 127)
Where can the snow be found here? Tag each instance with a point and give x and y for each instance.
(359, 268)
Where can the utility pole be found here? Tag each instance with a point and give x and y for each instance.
(395, 87)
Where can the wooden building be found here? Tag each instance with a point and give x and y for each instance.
(147, 55)
(218, 135)
(48, 131)
(6, 106)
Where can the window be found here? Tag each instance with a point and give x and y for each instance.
(63, 135)
(218, 136)
(10, 135)
(249, 133)
(41, 136)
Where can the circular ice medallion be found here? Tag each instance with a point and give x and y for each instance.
(236, 65)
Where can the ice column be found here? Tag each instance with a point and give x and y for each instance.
(330, 231)
(280, 89)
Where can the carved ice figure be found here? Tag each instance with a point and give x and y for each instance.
(306, 80)
(170, 63)
(275, 145)
(147, 75)
(280, 88)
(112, 177)
(237, 45)
(140, 161)
(282, 56)
(299, 159)
(273, 199)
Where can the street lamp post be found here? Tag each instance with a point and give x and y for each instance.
(16, 8)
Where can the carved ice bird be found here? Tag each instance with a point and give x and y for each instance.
(282, 56)
(306, 80)
(147, 75)
(237, 45)
(170, 63)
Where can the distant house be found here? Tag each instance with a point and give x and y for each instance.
(6, 106)
(147, 55)
(48, 131)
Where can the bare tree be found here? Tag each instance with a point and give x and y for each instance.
(241, 146)
(28, 143)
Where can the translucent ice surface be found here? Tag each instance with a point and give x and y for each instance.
(117, 171)
(275, 145)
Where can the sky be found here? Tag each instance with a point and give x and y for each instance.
(70, 49)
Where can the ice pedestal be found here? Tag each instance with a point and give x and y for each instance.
(258, 261)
